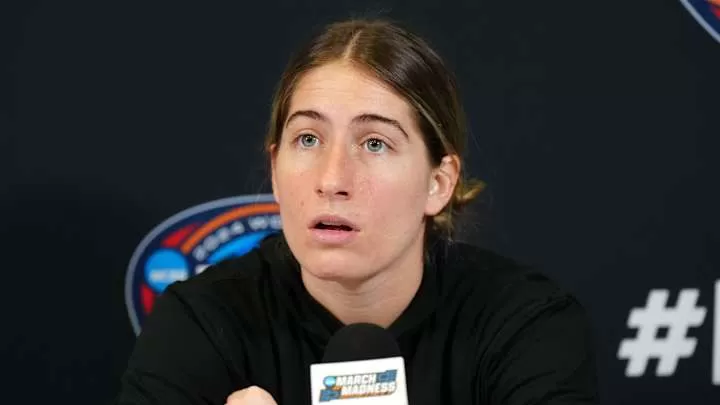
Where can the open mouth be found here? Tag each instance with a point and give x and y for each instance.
(333, 230)
(333, 223)
(333, 227)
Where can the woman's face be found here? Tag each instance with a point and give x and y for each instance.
(352, 177)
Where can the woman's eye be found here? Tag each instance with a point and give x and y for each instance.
(308, 141)
(374, 145)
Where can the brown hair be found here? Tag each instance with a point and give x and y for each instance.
(408, 65)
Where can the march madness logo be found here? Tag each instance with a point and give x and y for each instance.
(707, 13)
(190, 241)
(358, 385)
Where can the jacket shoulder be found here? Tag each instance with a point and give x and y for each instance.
(496, 277)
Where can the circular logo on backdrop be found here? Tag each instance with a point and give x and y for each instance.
(707, 14)
(190, 241)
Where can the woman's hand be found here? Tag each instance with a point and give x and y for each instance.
(251, 396)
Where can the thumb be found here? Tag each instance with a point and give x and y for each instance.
(253, 395)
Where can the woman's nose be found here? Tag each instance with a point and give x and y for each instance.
(335, 176)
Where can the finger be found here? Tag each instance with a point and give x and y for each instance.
(253, 395)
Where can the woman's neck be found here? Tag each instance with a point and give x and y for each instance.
(380, 299)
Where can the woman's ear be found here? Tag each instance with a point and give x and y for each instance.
(273, 157)
(442, 184)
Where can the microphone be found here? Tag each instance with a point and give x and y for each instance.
(361, 361)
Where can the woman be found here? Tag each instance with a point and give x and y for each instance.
(365, 140)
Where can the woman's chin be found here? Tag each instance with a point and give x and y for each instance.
(336, 267)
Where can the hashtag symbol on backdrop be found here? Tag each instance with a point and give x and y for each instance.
(669, 349)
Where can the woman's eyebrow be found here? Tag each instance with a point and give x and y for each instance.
(312, 114)
(381, 119)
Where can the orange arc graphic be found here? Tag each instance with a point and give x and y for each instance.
(229, 216)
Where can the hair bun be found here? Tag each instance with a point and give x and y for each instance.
(465, 191)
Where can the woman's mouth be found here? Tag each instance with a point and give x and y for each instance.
(333, 230)
(334, 227)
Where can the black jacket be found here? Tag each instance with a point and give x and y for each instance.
(481, 330)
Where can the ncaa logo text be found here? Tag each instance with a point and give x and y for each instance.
(187, 243)
(358, 385)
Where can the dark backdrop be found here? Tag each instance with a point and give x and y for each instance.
(595, 125)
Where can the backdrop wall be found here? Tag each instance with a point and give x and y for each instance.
(595, 125)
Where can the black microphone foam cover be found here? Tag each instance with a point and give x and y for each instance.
(360, 341)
